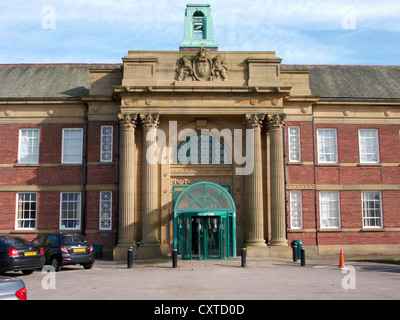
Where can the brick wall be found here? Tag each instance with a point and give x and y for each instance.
(51, 173)
(348, 173)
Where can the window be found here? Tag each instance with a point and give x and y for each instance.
(70, 211)
(372, 209)
(106, 144)
(201, 149)
(329, 209)
(327, 146)
(198, 25)
(294, 144)
(296, 210)
(105, 210)
(369, 145)
(26, 211)
(28, 149)
(72, 146)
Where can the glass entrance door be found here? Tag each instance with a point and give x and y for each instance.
(205, 235)
(205, 222)
(201, 237)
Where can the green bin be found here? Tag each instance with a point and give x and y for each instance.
(299, 246)
(97, 251)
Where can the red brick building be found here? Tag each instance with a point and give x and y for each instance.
(59, 159)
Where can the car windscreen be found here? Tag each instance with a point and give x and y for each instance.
(14, 242)
(71, 240)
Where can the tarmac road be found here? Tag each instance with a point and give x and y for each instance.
(262, 279)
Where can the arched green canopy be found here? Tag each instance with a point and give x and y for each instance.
(204, 197)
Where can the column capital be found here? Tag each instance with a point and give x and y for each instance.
(253, 121)
(150, 121)
(276, 121)
(127, 120)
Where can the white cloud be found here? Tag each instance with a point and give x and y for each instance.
(102, 28)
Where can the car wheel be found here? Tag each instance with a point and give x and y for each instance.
(88, 265)
(27, 272)
(55, 263)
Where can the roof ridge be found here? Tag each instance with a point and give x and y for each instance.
(58, 64)
(342, 65)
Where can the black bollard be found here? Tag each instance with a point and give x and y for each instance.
(303, 257)
(294, 248)
(244, 252)
(130, 257)
(174, 258)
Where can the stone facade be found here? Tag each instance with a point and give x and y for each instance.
(306, 152)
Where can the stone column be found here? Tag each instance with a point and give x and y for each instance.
(127, 163)
(278, 221)
(150, 244)
(254, 191)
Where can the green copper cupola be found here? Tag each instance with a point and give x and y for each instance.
(198, 28)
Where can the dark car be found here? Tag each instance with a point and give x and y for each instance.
(18, 254)
(12, 289)
(62, 249)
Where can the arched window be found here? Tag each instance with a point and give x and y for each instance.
(201, 149)
(198, 25)
(203, 197)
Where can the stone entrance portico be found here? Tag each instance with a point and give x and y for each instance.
(199, 88)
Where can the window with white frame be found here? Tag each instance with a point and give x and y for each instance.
(105, 210)
(369, 145)
(106, 147)
(26, 211)
(28, 148)
(296, 210)
(70, 211)
(72, 146)
(372, 209)
(327, 146)
(329, 205)
(294, 144)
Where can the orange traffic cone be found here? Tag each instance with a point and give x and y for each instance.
(341, 260)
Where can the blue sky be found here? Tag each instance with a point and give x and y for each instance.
(365, 32)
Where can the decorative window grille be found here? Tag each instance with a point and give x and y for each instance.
(26, 211)
(72, 146)
(327, 146)
(201, 149)
(105, 210)
(106, 144)
(372, 209)
(198, 29)
(198, 25)
(329, 205)
(28, 150)
(294, 144)
(296, 210)
(70, 211)
(369, 145)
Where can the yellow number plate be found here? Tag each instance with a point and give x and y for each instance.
(80, 250)
(30, 254)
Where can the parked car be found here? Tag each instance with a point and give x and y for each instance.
(18, 254)
(62, 249)
(12, 289)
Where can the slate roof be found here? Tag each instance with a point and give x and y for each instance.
(73, 80)
(47, 80)
(353, 82)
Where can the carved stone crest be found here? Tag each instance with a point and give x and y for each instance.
(201, 67)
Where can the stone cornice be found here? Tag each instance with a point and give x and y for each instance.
(209, 87)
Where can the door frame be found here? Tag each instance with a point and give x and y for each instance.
(204, 199)
(183, 240)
